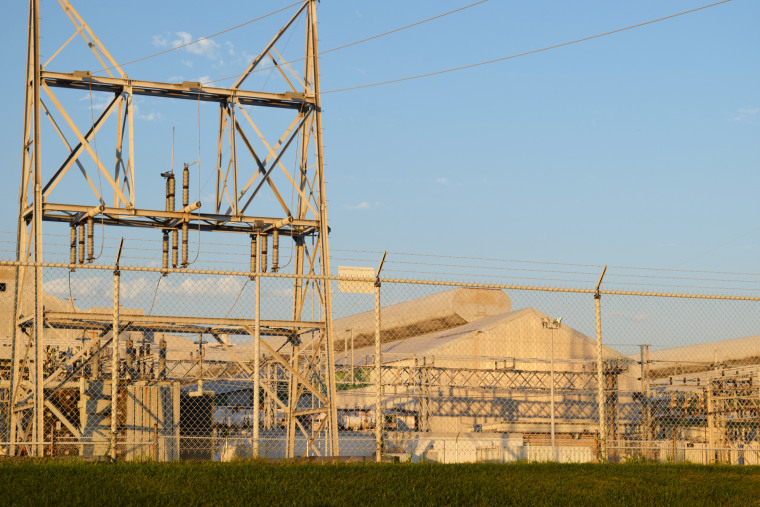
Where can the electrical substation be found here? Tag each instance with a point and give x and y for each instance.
(303, 363)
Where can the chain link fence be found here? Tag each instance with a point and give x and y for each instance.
(214, 366)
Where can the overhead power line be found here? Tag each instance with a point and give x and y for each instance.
(344, 46)
(175, 48)
(495, 60)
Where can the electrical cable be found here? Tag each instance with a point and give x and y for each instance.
(237, 298)
(547, 48)
(718, 247)
(200, 39)
(367, 39)
(154, 294)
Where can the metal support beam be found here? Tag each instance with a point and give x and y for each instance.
(600, 369)
(311, 370)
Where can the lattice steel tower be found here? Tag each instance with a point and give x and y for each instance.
(247, 167)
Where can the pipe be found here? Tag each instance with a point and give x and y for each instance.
(275, 251)
(281, 223)
(600, 369)
(600, 378)
(90, 241)
(82, 234)
(115, 362)
(551, 390)
(256, 352)
(191, 207)
(378, 381)
(93, 212)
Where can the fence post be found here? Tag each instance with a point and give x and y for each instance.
(600, 370)
(115, 354)
(378, 383)
(378, 370)
(257, 351)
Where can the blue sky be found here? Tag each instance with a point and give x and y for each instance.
(641, 148)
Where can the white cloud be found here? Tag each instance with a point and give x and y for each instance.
(442, 181)
(631, 316)
(80, 287)
(96, 102)
(747, 113)
(230, 48)
(205, 47)
(146, 116)
(160, 41)
(214, 286)
(132, 289)
(361, 205)
(150, 117)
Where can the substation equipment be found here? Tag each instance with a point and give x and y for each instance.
(123, 394)
(105, 394)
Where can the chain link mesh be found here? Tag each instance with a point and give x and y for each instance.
(466, 373)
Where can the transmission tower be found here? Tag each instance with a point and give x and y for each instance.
(240, 183)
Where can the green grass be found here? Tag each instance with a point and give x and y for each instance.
(51, 482)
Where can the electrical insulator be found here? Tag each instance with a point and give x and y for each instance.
(82, 234)
(264, 241)
(184, 244)
(73, 245)
(175, 247)
(275, 251)
(166, 250)
(253, 253)
(90, 240)
(185, 187)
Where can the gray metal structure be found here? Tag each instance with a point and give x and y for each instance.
(238, 189)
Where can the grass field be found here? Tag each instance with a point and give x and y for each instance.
(58, 482)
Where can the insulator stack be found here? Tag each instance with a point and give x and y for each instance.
(275, 251)
(90, 240)
(175, 247)
(264, 241)
(166, 250)
(253, 253)
(185, 187)
(73, 245)
(162, 358)
(169, 191)
(131, 353)
(184, 244)
(82, 234)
